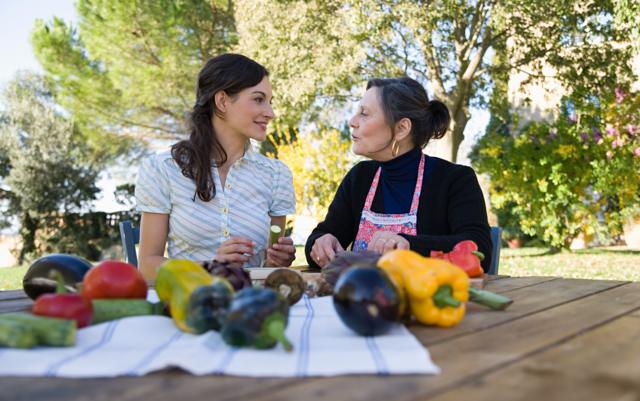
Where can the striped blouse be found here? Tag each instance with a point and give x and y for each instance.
(256, 188)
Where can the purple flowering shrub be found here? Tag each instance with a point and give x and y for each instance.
(579, 174)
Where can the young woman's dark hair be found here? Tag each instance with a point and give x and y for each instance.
(230, 73)
(406, 98)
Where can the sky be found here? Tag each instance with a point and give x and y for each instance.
(17, 18)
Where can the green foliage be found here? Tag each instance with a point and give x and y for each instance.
(318, 50)
(130, 66)
(318, 161)
(576, 175)
(43, 174)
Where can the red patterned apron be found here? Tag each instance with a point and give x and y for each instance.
(402, 223)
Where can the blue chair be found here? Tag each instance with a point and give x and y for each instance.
(496, 242)
(130, 236)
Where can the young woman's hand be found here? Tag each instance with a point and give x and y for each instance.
(325, 249)
(281, 254)
(385, 241)
(236, 251)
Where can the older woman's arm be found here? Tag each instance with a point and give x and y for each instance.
(466, 215)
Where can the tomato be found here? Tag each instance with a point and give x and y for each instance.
(114, 279)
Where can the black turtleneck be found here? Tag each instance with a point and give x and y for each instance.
(398, 181)
(451, 207)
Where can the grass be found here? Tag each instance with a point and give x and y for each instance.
(11, 277)
(614, 263)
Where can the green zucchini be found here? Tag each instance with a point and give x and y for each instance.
(48, 330)
(112, 309)
(16, 335)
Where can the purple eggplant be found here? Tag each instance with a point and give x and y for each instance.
(366, 300)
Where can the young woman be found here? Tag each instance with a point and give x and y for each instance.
(213, 196)
(401, 198)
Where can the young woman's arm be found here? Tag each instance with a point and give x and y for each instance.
(154, 229)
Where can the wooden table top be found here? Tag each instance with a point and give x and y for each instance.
(562, 339)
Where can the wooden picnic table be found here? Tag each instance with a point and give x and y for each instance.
(563, 339)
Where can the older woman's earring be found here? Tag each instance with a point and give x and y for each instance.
(395, 148)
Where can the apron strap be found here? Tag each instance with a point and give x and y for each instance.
(418, 190)
(372, 190)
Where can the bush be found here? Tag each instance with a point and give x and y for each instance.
(318, 161)
(576, 175)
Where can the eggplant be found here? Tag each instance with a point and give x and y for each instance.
(343, 261)
(39, 278)
(366, 300)
(208, 306)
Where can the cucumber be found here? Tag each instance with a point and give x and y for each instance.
(48, 330)
(112, 309)
(16, 335)
(274, 234)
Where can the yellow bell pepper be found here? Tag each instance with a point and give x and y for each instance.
(436, 289)
(177, 279)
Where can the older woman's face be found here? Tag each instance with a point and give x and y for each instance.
(369, 131)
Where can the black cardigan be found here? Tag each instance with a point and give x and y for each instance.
(451, 209)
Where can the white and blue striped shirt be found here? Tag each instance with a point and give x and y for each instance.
(256, 188)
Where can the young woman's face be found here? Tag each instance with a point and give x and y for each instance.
(369, 131)
(250, 111)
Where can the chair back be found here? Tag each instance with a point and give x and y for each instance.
(130, 236)
(496, 244)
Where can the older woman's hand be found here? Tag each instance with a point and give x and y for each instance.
(385, 241)
(325, 249)
(281, 254)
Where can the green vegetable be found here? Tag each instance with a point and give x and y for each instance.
(274, 234)
(16, 335)
(48, 330)
(208, 307)
(112, 309)
(257, 318)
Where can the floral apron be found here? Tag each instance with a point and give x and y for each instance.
(402, 223)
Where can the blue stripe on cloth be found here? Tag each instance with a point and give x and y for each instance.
(106, 337)
(378, 358)
(226, 360)
(303, 357)
(154, 353)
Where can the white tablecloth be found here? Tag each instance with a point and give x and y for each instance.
(135, 346)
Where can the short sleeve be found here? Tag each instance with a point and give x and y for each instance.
(283, 201)
(152, 187)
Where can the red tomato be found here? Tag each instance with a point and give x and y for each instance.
(114, 279)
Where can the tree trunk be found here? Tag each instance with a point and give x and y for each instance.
(453, 139)
(28, 228)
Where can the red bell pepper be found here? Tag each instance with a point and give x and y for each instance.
(464, 255)
(65, 306)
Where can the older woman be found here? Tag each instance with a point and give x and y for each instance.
(401, 198)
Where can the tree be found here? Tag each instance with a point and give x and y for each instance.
(130, 66)
(318, 49)
(43, 175)
(318, 163)
(574, 175)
